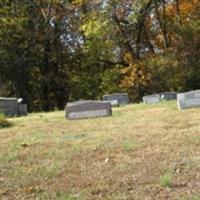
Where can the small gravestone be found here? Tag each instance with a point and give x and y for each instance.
(114, 103)
(87, 109)
(188, 99)
(9, 106)
(116, 99)
(22, 109)
(168, 96)
(151, 99)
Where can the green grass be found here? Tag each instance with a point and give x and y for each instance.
(129, 144)
(45, 156)
(166, 179)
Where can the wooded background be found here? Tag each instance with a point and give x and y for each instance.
(55, 51)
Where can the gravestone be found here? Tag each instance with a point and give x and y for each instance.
(12, 107)
(87, 109)
(114, 103)
(188, 99)
(22, 109)
(9, 106)
(117, 99)
(168, 96)
(151, 99)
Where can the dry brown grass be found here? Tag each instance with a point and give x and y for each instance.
(44, 156)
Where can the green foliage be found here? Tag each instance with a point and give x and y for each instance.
(166, 73)
(190, 50)
(32, 55)
(52, 52)
(166, 179)
(110, 81)
(3, 121)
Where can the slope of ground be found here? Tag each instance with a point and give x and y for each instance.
(140, 153)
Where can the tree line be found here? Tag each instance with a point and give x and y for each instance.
(55, 51)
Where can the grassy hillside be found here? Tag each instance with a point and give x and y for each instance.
(141, 153)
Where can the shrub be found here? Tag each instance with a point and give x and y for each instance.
(3, 121)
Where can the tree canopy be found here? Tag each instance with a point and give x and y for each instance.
(54, 51)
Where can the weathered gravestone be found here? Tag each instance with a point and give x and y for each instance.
(114, 103)
(22, 109)
(188, 99)
(168, 96)
(12, 107)
(116, 99)
(150, 99)
(9, 106)
(87, 109)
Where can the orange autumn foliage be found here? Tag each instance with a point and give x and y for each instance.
(185, 8)
(135, 74)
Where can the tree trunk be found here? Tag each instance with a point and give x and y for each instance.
(44, 73)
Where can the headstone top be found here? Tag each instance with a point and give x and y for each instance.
(83, 102)
(8, 98)
(117, 94)
(152, 95)
(168, 95)
(122, 98)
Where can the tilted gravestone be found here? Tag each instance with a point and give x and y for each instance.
(168, 96)
(9, 106)
(150, 99)
(188, 99)
(87, 109)
(116, 99)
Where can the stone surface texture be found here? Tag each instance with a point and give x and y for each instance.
(121, 98)
(168, 96)
(151, 99)
(11, 108)
(22, 109)
(188, 99)
(87, 109)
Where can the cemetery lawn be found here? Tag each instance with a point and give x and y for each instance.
(141, 153)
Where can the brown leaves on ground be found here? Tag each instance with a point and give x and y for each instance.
(53, 158)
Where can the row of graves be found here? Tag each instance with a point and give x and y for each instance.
(90, 109)
(12, 107)
(184, 100)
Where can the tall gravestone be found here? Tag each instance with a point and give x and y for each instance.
(151, 99)
(188, 99)
(116, 99)
(9, 106)
(87, 109)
